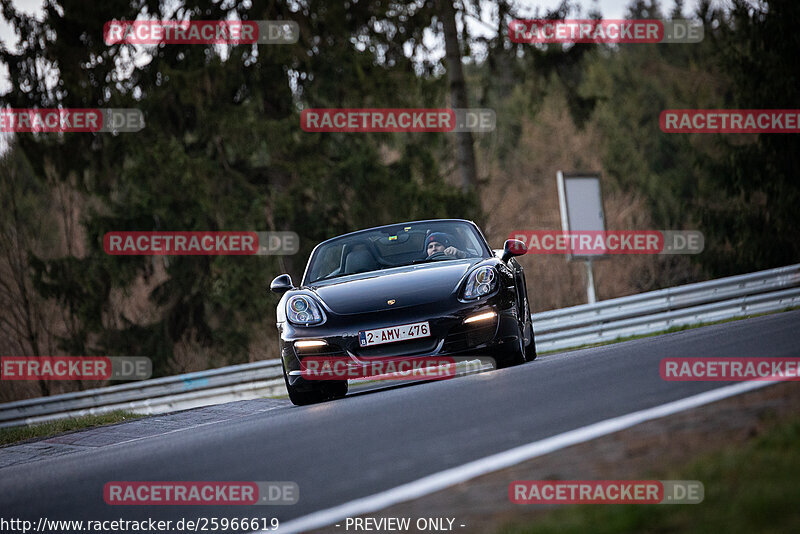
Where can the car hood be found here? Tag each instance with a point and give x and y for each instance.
(413, 285)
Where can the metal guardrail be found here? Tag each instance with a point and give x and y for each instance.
(159, 395)
(655, 311)
(603, 321)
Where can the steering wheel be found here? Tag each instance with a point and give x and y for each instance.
(438, 255)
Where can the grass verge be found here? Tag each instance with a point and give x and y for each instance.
(747, 489)
(51, 428)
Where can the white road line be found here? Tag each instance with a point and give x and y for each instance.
(461, 473)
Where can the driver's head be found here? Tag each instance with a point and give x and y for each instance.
(437, 242)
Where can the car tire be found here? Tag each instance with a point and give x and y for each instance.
(530, 350)
(514, 354)
(315, 393)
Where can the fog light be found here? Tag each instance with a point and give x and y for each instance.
(308, 343)
(480, 317)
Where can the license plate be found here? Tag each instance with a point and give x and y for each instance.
(392, 334)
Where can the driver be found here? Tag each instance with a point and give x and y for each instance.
(442, 242)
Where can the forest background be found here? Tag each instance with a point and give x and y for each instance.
(223, 150)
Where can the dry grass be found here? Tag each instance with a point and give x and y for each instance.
(521, 194)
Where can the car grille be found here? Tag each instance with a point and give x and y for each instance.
(466, 336)
(326, 351)
(400, 348)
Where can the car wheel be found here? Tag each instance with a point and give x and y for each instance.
(512, 355)
(315, 393)
(530, 350)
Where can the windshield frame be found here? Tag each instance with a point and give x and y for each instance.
(486, 251)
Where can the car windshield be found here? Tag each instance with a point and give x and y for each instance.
(395, 246)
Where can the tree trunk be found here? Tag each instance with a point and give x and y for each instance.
(458, 94)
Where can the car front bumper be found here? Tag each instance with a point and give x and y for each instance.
(449, 336)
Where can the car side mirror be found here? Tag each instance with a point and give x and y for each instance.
(281, 284)
(513, 247)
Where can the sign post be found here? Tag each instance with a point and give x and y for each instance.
(581, 203)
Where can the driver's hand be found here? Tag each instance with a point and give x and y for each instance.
(451, 251)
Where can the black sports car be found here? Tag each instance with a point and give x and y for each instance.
(426, 288)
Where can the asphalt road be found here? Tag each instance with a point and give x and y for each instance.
(370, 442)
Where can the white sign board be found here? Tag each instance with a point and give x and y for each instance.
(581, 206)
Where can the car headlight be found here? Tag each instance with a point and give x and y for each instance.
(302, 310)
(481, 282)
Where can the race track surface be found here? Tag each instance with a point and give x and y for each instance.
(371, 442)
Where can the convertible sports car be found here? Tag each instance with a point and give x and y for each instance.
(418, 289)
